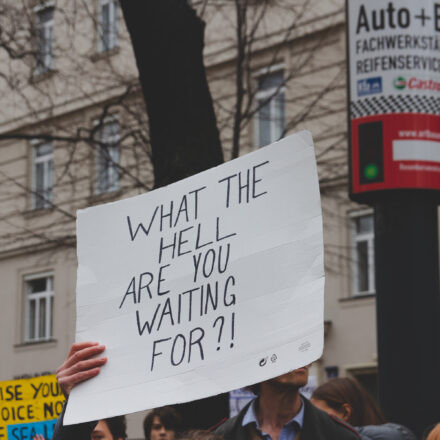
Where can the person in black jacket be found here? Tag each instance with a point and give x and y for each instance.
(281, 413)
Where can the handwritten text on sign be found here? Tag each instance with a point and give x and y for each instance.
(194, 286)
(29, 407)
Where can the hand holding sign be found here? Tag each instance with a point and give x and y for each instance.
(204, 286)
(80, 365)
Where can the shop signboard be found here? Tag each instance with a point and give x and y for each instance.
(394, 96)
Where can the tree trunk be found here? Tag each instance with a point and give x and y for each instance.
(167, 38)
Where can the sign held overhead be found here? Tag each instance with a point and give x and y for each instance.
(204, 286)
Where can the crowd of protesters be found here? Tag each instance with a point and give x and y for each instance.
(340, 409)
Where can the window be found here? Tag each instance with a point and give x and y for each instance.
(367, 376)
(44, 39)
(369, 381)
(107, 159)
(107, 25)
(270, 115)
(42, 175)
(362, 226)
(38, 307)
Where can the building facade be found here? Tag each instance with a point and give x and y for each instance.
(74, 133)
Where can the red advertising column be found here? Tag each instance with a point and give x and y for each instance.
(393, 50)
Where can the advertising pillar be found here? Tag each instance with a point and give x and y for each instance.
(393, 50)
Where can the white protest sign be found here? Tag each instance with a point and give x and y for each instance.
(204, 286)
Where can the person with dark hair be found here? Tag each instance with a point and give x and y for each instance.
(113, 428)
(280, 413)
(347, 399)
(162, 424)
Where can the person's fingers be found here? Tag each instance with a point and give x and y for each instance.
(38, 437)
(77, 346)
(81, 364)
(68, 382)
(82, 354)
(80, 367)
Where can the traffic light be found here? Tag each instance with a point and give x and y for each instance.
(370, 152)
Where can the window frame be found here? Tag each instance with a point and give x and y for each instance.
(263, 94)
(49, 295)
(114, 149)
(48, 161)
(356, 237)
(113, 26)
(360, 371)
(47, 57)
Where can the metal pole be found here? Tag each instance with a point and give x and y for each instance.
(408, 309)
